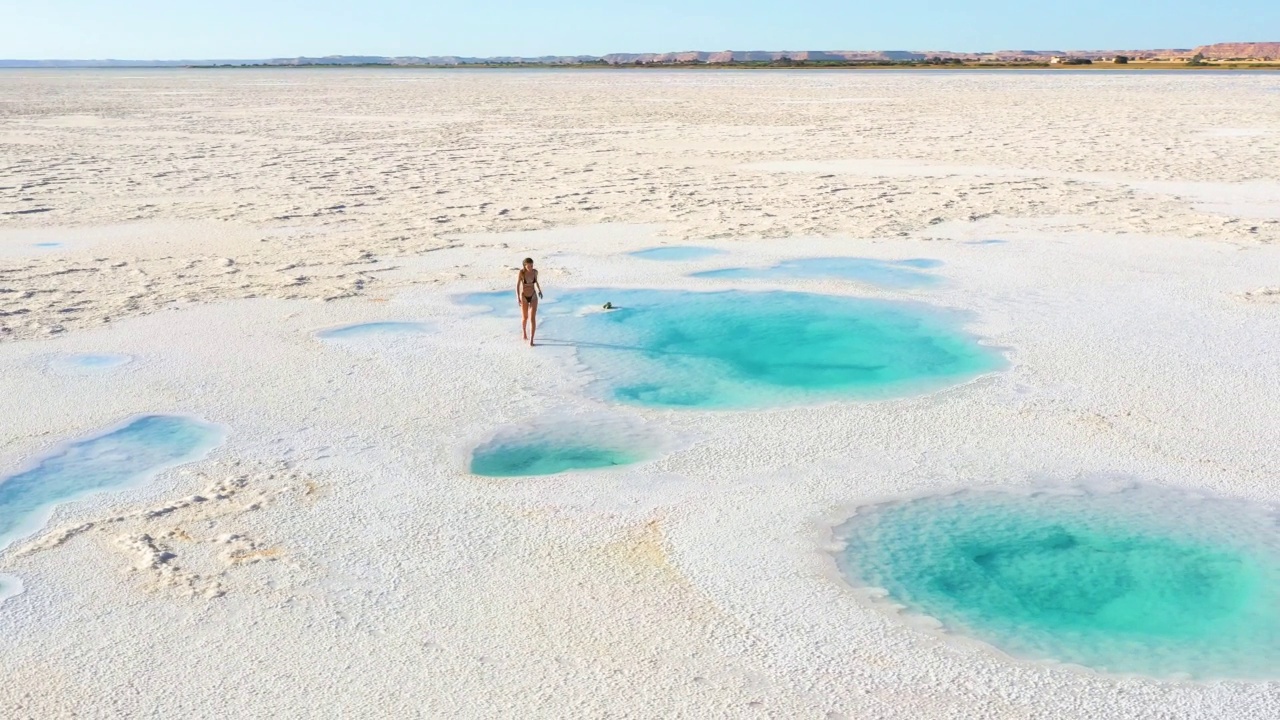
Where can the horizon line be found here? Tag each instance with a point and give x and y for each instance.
(589, 56)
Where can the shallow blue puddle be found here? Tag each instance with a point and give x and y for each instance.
(898, 274)
(517, 458)
(89, 362)
(740, 349)
(47, 244)
(673, 253)
(115, 459)
(985, 242)
(374, 330)
(1142, 581)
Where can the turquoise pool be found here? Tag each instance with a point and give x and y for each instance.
(737, 349)
(1143, 581)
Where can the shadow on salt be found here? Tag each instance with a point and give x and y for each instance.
(739, 350)
(898, 274)
(560, 442)
(1129, 579)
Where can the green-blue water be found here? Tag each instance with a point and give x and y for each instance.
(518, 459)
(740, 349)
(1142, 581)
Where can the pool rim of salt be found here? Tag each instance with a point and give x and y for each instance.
(830, 546)
(219, 433)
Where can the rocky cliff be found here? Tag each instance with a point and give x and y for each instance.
(1241, 51)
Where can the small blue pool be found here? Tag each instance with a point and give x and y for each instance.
(374, 331)
(896, 274)
(674, 253)
(522, 458)
(87, 363)
(117, 458)
(555, 444)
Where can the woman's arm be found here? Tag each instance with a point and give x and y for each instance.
(538, 286)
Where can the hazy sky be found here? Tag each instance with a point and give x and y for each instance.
(183, 29)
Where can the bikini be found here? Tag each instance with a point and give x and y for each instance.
(530, 294)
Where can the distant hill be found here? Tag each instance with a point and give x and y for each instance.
(1220, 51)
(1241, 51)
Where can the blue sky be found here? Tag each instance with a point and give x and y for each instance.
(182, 29)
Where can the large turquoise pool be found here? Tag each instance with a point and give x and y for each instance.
(1143, 580)
(739, 349)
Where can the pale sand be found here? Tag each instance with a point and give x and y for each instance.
(342, 562)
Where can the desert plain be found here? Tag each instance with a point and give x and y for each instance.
(1114, 236)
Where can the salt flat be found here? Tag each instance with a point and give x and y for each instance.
(335, 558)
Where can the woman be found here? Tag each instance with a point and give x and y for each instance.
(528, 292)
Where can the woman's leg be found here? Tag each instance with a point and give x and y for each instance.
(533, 321)
(524, 318)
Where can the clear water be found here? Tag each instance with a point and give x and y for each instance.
(677, 252)
(89, 362)
(558, 442)
(898, 274)
(517, 459)
(985, 242)
(120, 457)
(1143, 580)
(48, 244)
(373, 330)
(740, 349)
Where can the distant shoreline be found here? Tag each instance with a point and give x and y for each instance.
(707, 67)
(703, 67)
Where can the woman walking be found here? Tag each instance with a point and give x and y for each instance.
(528, 292)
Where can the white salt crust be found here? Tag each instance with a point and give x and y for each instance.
(332, 559)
